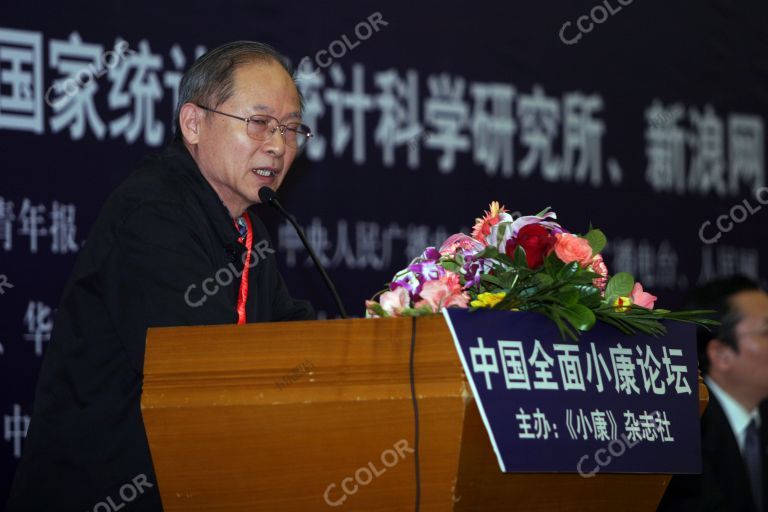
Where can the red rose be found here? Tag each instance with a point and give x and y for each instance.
(537, 242)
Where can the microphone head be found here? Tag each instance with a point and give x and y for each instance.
(267, 195)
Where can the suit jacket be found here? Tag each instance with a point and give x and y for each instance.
(724, 483)
(158, 238)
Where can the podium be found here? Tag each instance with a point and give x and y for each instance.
(306, 416)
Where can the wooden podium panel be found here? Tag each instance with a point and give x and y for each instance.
(276, 416)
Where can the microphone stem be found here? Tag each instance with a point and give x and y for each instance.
(328, 282)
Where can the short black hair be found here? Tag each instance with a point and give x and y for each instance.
(210, 79)
(717, 295)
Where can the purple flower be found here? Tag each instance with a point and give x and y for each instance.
(430, 254)
(428, 270)
(409, 281)
(417, 273)
(473, 270)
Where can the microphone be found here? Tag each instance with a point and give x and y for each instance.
(268, 196)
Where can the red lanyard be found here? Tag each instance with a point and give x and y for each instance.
(242, 297)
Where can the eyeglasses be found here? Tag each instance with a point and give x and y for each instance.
(761, 333)
(262, 127)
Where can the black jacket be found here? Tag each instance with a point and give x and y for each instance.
(160, 235)
(724, 484)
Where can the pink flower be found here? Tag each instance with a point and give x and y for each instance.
(369, 312)
(460, 241)
(395, 301)
(599, 267)
(570, 248)
(642, 298)
(442, 293)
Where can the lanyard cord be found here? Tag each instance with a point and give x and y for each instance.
(242, 296)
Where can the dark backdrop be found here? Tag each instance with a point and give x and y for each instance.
(646, 124)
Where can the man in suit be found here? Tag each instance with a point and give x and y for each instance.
(734, 427)
(175, 244)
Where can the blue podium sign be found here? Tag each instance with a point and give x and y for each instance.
(607, 403)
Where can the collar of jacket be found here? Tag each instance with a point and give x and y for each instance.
(218, 215)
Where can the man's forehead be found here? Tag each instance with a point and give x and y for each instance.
(752, 303)
(267, 80)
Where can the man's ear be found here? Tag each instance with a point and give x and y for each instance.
(720, 355)
(190, 120)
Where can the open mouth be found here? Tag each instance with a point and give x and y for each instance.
(265, 172)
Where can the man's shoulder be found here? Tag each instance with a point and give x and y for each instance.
(166, 179)
(714, 423)
(165, 176)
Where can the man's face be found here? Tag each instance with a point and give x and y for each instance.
(228, 158)
(750, 363)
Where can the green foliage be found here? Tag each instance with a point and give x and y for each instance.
(619, 285)
(597, 241)
(564, 292)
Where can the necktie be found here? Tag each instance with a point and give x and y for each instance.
(753, 458)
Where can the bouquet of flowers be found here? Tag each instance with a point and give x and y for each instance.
(526, 264)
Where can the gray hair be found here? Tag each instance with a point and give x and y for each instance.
(210, 80)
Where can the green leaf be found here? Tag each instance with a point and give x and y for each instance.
(589, 296)
(597, 240)
(509, 277)
(501, 230)
(376, 308)
(423, 310)
(617, 323)
(451, 266)
(568, 296)
(504, 262)
(490, 251)
(568, 270)
(553, 264)
(543, 279)
(519, 258)
(528, 292)
(488, 278)
(508, 302)
(620, 285)
(584, 277)
(580, 316)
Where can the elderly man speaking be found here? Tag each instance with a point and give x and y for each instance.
(154, 258)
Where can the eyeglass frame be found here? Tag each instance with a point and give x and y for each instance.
(758, 333)
(280, 126)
